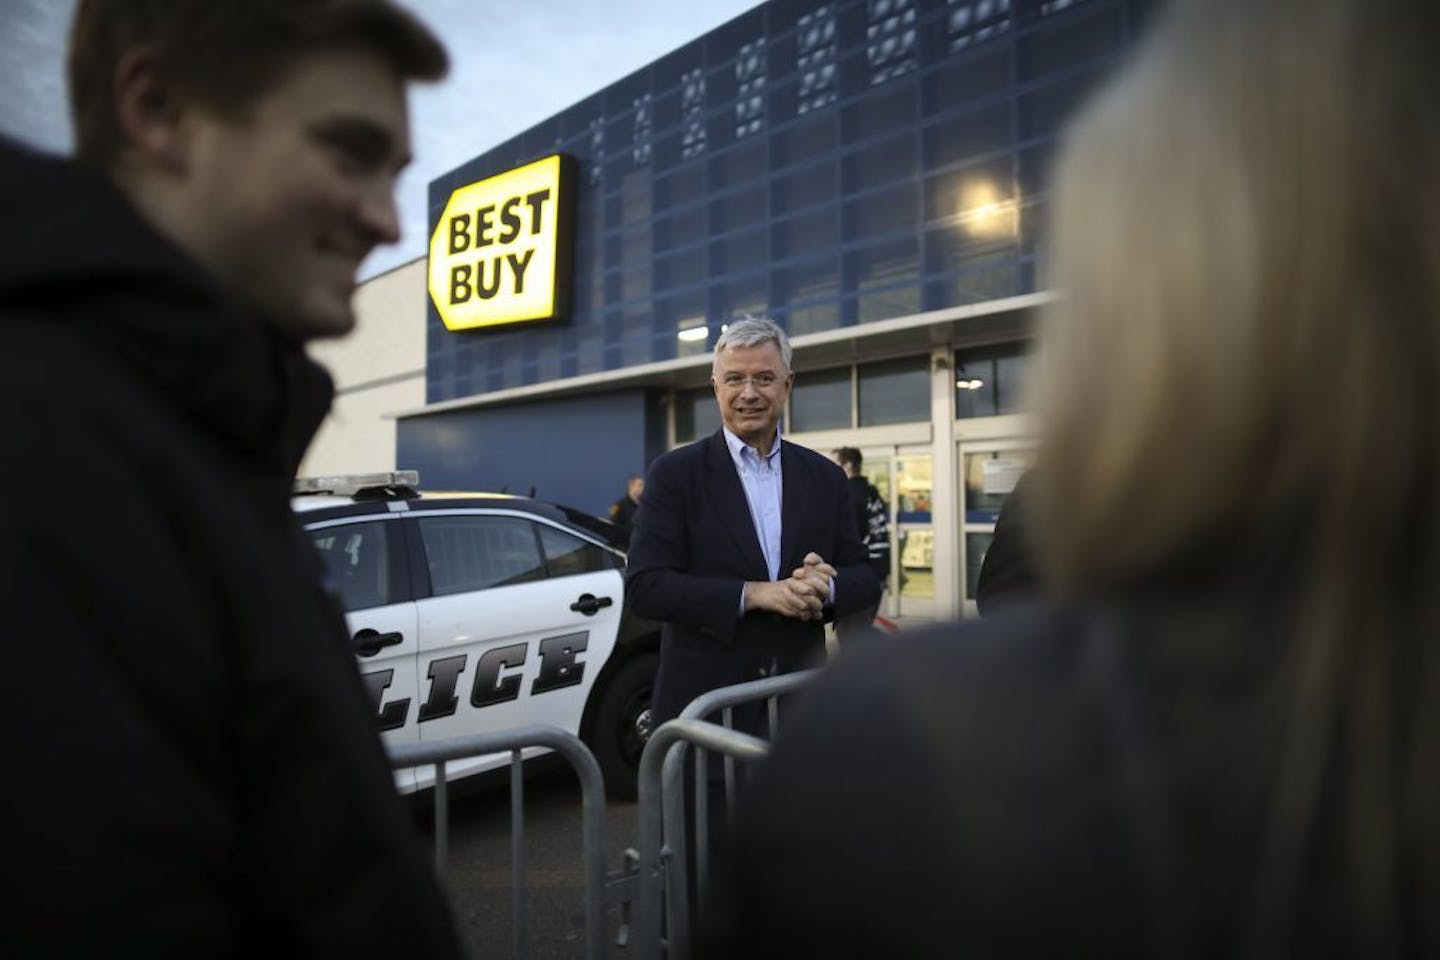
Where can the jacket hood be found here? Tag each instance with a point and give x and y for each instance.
(76, 251)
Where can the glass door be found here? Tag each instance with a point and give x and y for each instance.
(988, 471)
(913, 533)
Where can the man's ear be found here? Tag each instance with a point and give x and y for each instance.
(150, 112)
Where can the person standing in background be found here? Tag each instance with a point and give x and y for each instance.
(745, 544)
(872, 519)
(622, 511)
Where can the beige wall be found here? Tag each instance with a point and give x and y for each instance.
(378, 369)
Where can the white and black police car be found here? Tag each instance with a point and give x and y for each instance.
(476, 612)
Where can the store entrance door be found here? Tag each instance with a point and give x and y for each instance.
(903, 477)
(989, 469)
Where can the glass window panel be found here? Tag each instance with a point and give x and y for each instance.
(476, 553)
(680, 269)
(896, 391)
(812, 317)
(989, 477)
(807, 280)
(1010, 376)
(590, 345)
(809, 232)
(741, 295)
(990, 380)
(635, 279)
(635, 243)
(955, 140)
(954, 248)
(687, 183)
(967, 78)
(821, 401)
(874, 167)
(1035, 165)
(1046, 111)
(742, 164)
(805, 188)
(680, 228)
(739, 252)
(637, 336)
(737, 210)
(547, 360)
(885, 111)
(801, 141)
(879, 213)
(884, 304)
(684, 311)
(1034, 226)
(635, 188)
(357, 559)
(914, 485)
(1069, 43)
(977, 195)
(883, 264)
(566, 554)
(696, 414)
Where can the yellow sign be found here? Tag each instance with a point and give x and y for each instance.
(500, 253)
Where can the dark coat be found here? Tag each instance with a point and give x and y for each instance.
(622, 514)
(1043, 784)
(193, 768)
(1010, 572)
(695, 545)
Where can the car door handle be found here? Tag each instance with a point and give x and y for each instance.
(369, 642)
(589, 604)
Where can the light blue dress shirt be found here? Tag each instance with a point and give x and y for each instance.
(761, 479)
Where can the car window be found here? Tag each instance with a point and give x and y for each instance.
(567, 555)
(476, 552)
(358, 562)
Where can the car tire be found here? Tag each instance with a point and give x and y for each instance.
(622, 724)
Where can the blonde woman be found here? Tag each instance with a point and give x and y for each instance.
(1223, 738)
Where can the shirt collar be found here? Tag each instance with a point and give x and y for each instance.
(739, 447)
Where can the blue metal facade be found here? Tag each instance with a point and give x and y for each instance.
(575, 453)
(827, 164)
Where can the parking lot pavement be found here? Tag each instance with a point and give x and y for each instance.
(478, 875)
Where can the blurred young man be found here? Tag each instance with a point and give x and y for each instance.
(194, 765)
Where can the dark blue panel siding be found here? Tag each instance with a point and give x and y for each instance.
(822, 161)
(578, 452)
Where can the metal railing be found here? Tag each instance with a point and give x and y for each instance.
(592, 791)
(663, 861)
(657, 878)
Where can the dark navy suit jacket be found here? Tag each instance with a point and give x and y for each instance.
(694, 545)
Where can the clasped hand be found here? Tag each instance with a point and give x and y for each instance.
(802, 595)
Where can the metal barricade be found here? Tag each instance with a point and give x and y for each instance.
(663, 867)
(592, 790)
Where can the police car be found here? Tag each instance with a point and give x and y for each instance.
(476, 612)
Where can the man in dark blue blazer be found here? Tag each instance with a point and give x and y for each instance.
(744, 544)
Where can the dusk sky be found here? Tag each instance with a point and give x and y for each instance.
(512, 65)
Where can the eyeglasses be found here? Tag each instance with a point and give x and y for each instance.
(762, 381)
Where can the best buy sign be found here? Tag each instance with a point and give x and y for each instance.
(500, 253)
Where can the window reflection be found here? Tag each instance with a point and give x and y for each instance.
(989, 381)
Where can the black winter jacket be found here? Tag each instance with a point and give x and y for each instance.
(192, 765)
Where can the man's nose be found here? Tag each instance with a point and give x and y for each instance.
(748, 388)
(379, 216)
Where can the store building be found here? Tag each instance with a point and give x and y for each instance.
(871, 174)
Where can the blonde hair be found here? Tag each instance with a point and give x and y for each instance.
(1242, 375)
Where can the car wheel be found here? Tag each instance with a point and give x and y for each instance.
(622, 724)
